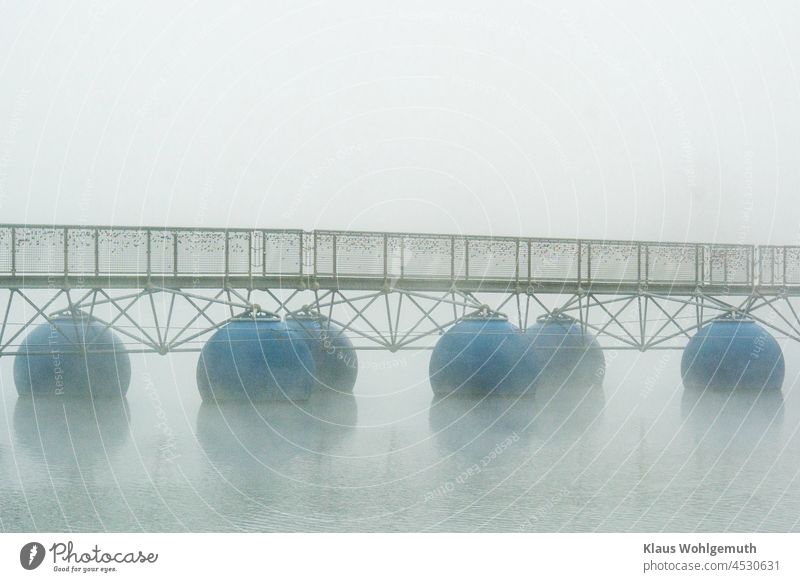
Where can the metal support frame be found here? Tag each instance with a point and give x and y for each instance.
(162, 319)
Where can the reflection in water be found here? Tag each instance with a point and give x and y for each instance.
(65, 432)
(732, 418)
(244, 434)
(735, 465)
(333, 413)
(568, 409)
(261, 456)
(476, 425)
(250, 438)
(567, 459)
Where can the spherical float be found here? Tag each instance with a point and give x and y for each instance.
(732, 353)
(255, 357)
(335, 359)
(565, 354)
(72, 355)
(482, 355)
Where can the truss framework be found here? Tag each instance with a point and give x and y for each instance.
(163, 320)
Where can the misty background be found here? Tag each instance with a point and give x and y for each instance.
(628, 119)
(622, 120)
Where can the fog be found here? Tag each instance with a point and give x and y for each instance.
(627, 120)
(674, 121)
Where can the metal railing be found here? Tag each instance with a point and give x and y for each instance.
(115, 251)
(529, 260)
(75, 251)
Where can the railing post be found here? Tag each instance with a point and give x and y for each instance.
(708, 271)
(772, 259)
(314, 253)
(516, 263)
(402, 257)
(580, 262)
(302, 253)
(589, 263)
(466, 259)
(725, 268)
(149, 252)
(785, 260)
(697, 261)
(709, 252)
(530, 252)
(175, 235)
(250, 256)
(227, 254)
(13, 251)
(452, 258)
(264, 252)
(385, 256)
(96, 252)
(333, 258)
(639, 264)
(66, 252)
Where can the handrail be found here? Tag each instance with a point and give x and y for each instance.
(155, 251)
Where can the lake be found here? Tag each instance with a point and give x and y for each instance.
(637, 454)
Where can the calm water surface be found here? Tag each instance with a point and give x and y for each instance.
(636, 455)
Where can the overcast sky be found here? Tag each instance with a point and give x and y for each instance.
(628, 119)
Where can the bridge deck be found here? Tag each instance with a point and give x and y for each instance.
(47, 256)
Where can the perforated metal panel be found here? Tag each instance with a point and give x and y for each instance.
(492, 258)
(201, 252)
(323, 254)
(6, 260)
(428, 256)
(771, 265)
(553, 260)
(728, 264)
(359, 255)
(612, 262)
(395, 255)
(81, 251)
(458, 266)
(81, 245)
(162, 252)
(672, 263)
(39, 250)
(523, 263)
(282, 252)
(791, 260)
(122, 251)
(779, 265)
(239, 256)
